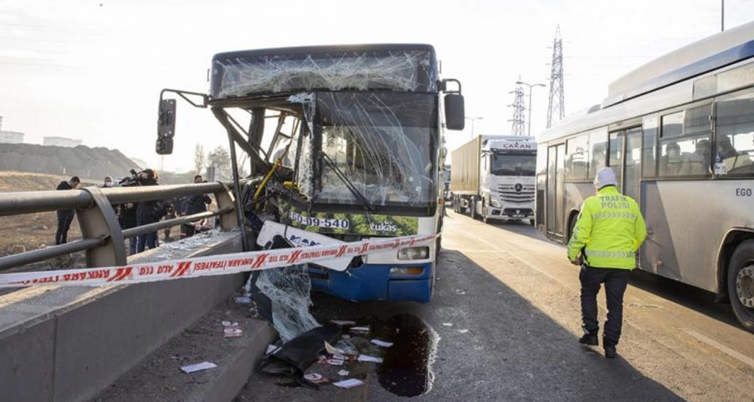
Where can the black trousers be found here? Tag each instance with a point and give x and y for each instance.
(65, 218)
(616, 281)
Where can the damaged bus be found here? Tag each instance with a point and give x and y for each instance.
(344, 143)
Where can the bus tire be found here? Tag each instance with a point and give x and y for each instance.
(741, 284)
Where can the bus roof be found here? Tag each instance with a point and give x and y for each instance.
(396, 67)
(708, 54)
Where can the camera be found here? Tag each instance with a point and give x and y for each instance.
(144, 178)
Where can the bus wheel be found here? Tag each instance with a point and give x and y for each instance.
(472, 208)
(485, 218)
(741, 284)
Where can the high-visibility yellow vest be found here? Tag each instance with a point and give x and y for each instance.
(609, 230)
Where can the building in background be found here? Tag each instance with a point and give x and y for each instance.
(10, 137)
(61, 142)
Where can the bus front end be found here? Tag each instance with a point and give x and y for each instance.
(351, 150)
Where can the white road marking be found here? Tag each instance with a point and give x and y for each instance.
(719, 346)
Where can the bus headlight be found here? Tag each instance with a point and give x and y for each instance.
(414, 253)
(494, 203)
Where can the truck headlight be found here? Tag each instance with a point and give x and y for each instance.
(494, 203)
(414, 253)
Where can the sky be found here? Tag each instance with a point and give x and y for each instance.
(93, 70)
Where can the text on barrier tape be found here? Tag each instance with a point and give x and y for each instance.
(224, 264)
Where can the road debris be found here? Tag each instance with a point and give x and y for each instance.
(349, 383)
(242, 299)
(382, 343)
(343, 373)
(231, 329)
(343, 323)
(364, 329)
(367, 358)
(191, 368)
(333, 350)
(316, 378)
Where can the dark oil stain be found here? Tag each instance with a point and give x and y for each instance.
(407, 366)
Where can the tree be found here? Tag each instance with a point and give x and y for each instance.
(220, 159)
(200, 158)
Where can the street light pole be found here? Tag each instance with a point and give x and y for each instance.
(472, 124)
(530, 95)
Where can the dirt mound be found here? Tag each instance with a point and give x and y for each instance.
(82, 161)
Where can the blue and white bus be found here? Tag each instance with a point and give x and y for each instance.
(679, 131)
(348, 144)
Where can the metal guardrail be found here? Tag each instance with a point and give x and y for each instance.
(103, 238)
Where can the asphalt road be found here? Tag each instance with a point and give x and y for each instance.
(504, 325)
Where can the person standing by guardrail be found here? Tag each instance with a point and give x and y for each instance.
(65, 217)
(193, 205)
(145, 212)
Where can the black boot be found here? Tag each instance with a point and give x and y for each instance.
(589, 339)
(610, 352)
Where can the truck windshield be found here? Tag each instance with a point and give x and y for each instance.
(513, 165)
(382, 143)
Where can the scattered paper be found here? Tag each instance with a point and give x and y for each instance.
(367, 358)
(229, 324)
(382, 343)
(316, 378)
(340, 357)
(447, 324)
(349, 383)
(360, 329)
(343, 323)
(343, 373)
(242, 299)
(198, 367)
(335, 362)
(463, 331)
(333, 350)
(230, 332)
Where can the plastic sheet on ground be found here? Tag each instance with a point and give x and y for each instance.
(295, 356)
(288, 290)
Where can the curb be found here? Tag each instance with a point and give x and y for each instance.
(159, 378)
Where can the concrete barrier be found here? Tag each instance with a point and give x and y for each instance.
(68, 344)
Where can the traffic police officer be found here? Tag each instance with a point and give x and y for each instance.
(607, 235)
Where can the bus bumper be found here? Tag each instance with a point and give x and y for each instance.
(375, 282)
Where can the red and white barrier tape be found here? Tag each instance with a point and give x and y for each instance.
(224, 264)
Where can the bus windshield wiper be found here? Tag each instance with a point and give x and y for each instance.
(349, 184)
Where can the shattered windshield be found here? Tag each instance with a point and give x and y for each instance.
(513, 165)
(382, 143)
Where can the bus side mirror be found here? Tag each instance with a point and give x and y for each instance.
(454, 112)
(165, 127)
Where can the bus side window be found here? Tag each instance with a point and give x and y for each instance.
(734, 150)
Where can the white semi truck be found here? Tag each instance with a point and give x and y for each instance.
(493, 177)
